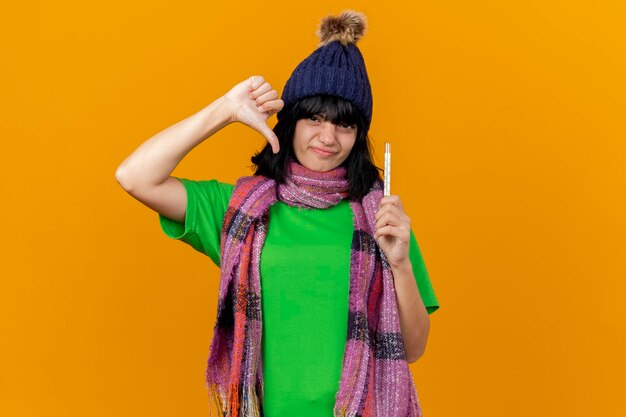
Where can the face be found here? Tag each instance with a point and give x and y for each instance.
(321, 145)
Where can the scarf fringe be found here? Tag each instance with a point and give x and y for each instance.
(342, 413)
(237, 405)
(215, 402)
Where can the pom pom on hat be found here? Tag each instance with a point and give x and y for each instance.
(346, 28)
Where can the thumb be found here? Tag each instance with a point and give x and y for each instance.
(269, 134)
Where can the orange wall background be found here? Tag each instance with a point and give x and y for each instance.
(508, 127)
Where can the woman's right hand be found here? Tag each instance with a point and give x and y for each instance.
(252, 102)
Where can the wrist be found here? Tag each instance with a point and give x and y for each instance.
(224, 110)
(402, 267)
(215, 116)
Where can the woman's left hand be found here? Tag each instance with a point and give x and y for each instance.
(393, 230)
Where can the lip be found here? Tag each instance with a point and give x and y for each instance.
(323, 153)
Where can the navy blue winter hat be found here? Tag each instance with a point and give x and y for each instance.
(336, 67)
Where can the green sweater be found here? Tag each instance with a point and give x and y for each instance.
(305, 270)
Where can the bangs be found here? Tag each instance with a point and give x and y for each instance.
(334, 109)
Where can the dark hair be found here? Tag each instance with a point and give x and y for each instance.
(361, 170)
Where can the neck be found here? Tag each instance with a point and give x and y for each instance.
(313, 189)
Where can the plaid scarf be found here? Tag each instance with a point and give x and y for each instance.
(375, 377)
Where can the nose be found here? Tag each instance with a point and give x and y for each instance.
(327, 133)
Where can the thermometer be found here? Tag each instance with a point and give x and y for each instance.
(387, 173)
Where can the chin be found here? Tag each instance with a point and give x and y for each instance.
(319, 167)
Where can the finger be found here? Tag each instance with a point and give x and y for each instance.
(382, 209)
(387, 219)
(390, 219)
(390, 208)
(392, 199)
(255, 82)
(270, 95)
(262, 89)
(388, 231)
(271, 107)
(273, 141)
(269, 134)
(395, 232)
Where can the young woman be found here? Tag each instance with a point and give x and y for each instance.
(324, 297)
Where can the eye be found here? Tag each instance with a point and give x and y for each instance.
(315, 118)
(347, 125)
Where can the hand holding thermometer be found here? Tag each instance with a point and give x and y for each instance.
(387, 174)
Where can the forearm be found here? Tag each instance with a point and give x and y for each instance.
(414, 320)
(155, 159)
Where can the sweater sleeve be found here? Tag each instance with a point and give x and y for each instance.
(421, 276)
(207, 201)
